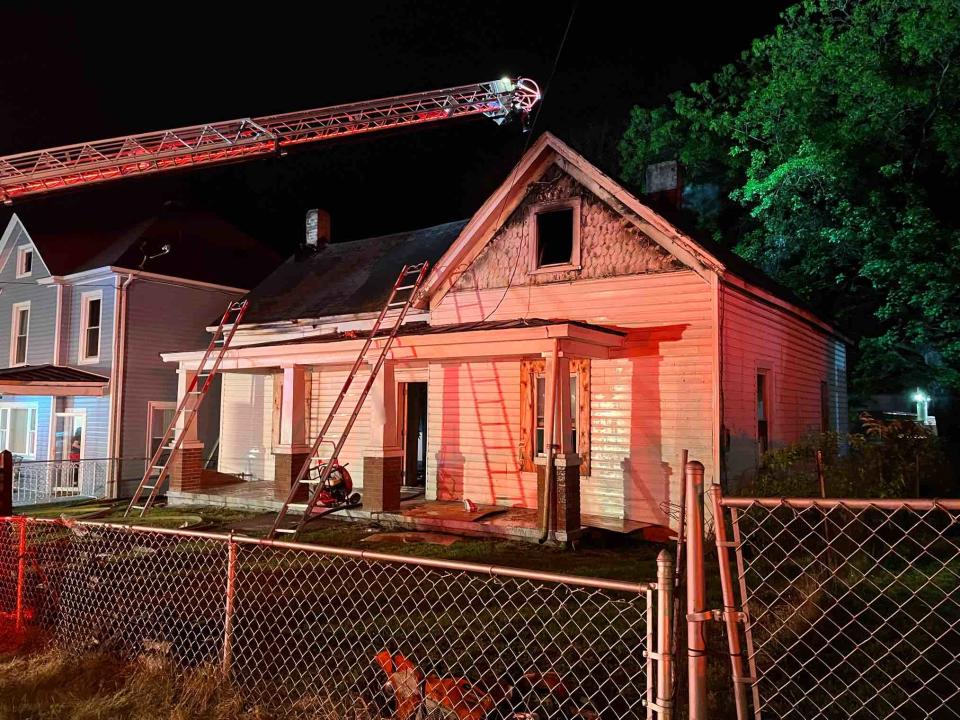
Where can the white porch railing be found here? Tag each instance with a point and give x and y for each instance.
(42, 481)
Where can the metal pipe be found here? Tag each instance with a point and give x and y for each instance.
(729, 606)
(478, 568)
(696, 595)
(665, 581)
(117, 383)
(21, 572)
(852, 503)
(228, 606)
(549, 431)
(651, 623)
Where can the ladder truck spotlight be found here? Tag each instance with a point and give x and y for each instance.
(43, 171)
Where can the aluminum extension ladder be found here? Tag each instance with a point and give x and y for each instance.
(390, 319)
(159, 466)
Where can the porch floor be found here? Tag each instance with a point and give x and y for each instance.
(417, 513)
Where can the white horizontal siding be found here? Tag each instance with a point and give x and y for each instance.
(246, 419)
(473, 434)
(797, 358)
(647, 404)
(326, 384)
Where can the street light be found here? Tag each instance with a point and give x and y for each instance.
(923, 404)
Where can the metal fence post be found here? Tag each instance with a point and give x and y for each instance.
(665, 582)
(228, 608)
(696, 595)
(21, 573)
(730, 614)
(6, 483)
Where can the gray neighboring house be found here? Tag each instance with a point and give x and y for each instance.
(85, 307)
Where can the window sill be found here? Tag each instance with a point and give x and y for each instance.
(89, 361)
(548, 269)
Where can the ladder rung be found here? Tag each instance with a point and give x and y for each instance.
(159, 467)
(399, 303)
(148, 487)
(288, 531)
(299, 507)
(406, 287)
(139, 507)
(310, 481)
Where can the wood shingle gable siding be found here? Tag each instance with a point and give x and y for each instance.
(609, 245)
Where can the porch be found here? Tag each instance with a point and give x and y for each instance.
(507, 427)
(417, 513)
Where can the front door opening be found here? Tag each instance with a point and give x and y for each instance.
(68, 452)
(415, 434)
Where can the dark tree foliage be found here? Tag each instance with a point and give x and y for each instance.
(829, 155)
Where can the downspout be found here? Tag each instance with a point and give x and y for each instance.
(549, 423)
(57, 359)
(116, 381)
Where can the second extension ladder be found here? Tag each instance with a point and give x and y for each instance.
(158, 468)
(293, 515)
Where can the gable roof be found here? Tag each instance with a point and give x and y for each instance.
(203, 246)
(345, 278)
(703, 256)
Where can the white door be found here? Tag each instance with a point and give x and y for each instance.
(68, 454)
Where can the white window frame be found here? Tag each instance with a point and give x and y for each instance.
(33, 427)
(541, 208)
(22, 251)
(15, 333)
(85, 300)
(153, 405)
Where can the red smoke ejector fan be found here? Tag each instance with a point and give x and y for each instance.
(337, 489)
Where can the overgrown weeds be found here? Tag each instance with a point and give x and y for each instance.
(49, 683)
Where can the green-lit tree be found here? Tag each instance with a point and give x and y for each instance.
(831, 153)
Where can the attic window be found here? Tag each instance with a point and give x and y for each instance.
(556, 236)
(24, 261)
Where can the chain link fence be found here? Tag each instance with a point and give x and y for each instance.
(305, 631)
(851, 607)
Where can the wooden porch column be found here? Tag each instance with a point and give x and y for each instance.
(290, 420)
(186, 466)
(564, 501)
(383, 455)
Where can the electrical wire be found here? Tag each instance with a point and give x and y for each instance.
(516, 168)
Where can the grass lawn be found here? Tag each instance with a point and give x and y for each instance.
(605, 555)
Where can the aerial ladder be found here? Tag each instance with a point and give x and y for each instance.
(69, 166)
(44, 171)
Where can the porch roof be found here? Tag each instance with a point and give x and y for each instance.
(417, 341)
(56, 380)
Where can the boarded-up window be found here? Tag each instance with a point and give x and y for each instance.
(763, 429)
(532, 411)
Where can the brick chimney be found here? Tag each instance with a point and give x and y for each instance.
(663, 182)
(318, 228)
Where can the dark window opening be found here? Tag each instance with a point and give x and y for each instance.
(555, 237)
(763, 436)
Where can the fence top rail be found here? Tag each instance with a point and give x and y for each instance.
(366, 555)
(62, 461)
(919, 504)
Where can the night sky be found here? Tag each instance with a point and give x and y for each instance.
(69, 75)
